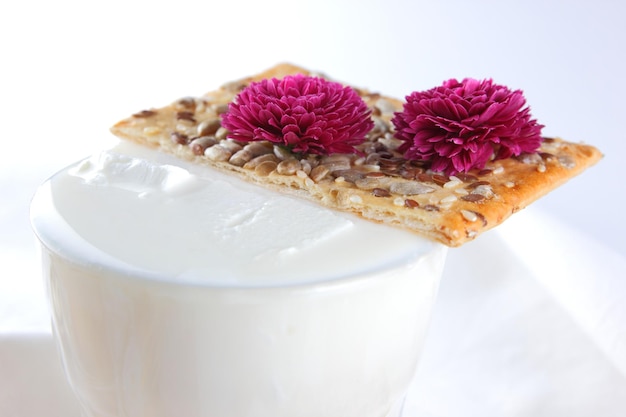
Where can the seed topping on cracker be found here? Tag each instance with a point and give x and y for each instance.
(385, 168)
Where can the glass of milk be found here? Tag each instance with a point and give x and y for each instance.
(178, 291)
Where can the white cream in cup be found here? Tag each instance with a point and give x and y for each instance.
(178, 291)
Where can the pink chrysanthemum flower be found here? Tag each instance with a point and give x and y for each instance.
(306, 114)
(462, 125)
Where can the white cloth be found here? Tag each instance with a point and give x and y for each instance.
(530, 321)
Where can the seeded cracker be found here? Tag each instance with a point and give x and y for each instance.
(378, 184)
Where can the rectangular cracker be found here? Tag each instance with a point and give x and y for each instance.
(380, 185)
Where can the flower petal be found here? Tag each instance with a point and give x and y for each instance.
(460, 126)
(308, 114)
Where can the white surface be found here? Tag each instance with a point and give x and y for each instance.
(505, 341)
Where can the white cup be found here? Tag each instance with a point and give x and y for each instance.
(135, 344)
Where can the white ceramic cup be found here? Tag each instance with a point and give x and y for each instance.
(135, 344)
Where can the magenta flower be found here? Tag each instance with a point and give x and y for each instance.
(462, 125)
(305, 114)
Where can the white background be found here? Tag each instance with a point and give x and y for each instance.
(70, 69)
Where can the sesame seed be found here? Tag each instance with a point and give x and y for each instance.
(145, 114)
(356, 199)
(184, 127)
(217, 153)
(454, 182)
(151, 130)
(179, 138)
(448, 199)
(208, 127)
(185, 115)
(468, 215)
(380, 192)
(439, 179)
(473, 197)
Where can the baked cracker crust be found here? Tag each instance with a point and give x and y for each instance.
(378, 185)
